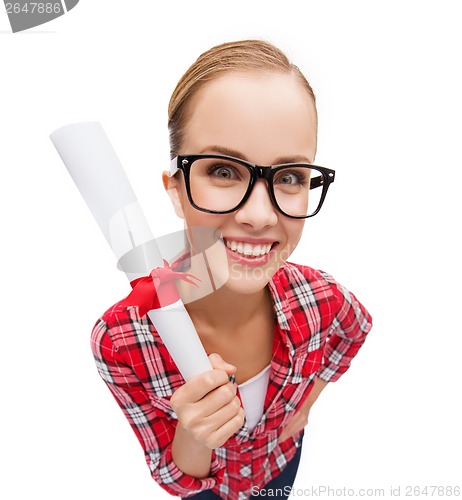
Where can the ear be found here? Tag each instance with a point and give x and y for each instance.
(172, 186)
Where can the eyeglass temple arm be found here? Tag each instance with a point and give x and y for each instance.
(316, 182)
(174, 166)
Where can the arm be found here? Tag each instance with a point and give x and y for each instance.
(350, 323)
(151, 417)
(345, 325)
(318, 387)
(190, 456)
(209, 412)
(300, 418)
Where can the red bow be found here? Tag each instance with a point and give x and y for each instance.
(156, 290)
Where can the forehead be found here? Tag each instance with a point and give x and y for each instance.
(264, 115)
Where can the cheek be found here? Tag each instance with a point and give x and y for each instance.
(194, 217)
(209, 226)
(293, 230)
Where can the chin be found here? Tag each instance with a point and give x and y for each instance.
(249, 280)
(245, 287)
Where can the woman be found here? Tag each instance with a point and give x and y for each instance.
(243, 129)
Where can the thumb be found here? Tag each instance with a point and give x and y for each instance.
(220, 364)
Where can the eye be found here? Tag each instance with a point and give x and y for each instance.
(225, 172)
(288, 178)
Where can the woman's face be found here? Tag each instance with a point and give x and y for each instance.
(267, 119)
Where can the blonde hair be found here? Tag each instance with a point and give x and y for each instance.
(243, 55)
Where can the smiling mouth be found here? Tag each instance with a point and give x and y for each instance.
(249, 249)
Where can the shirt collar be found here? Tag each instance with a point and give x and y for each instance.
(280, 302)
(289, 330)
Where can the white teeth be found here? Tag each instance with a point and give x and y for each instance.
(248, 249)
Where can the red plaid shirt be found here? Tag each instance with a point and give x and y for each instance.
(319, 328)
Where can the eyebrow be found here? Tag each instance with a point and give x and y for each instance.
(237, 154)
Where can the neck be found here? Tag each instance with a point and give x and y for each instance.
(225, 310)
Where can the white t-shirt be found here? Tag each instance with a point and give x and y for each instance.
(253, 392)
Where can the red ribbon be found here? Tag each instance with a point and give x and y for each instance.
(156, 290)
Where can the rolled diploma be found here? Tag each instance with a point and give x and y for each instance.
(98, 174)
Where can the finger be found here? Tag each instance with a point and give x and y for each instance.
(202, 424)
(199, 386)
(222, 415)
(285, 434)
(221, 435)
(220, 364)
(295, 425)
(216, 399)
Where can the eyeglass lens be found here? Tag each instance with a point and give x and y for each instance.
(221, 184)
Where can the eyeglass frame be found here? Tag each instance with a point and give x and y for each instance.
(266, 172)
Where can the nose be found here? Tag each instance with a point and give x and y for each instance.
(258, 211)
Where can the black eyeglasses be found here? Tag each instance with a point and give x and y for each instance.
(219, 184)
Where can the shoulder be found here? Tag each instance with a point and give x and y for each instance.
(301, 280)
(291, 275)
(307, 287)
(301, 296)
(123, 340)
(122, 330)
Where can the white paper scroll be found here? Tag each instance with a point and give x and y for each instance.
(96, 170)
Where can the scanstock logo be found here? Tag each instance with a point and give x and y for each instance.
(24, 14)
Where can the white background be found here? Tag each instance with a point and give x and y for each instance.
(388, 82)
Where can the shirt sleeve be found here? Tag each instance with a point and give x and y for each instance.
(148, 417)
(350, 325)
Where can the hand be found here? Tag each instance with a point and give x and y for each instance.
(207, 406)
(300, 418)
(298, 422)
